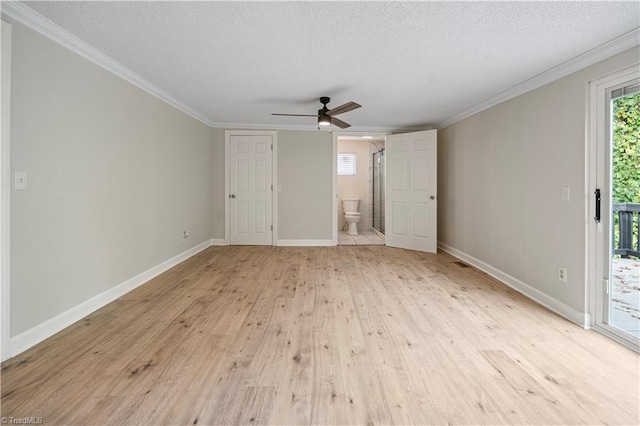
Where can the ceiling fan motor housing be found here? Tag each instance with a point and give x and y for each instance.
(324, 100)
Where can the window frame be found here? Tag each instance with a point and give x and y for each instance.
(354, 167)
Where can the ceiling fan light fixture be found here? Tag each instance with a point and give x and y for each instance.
(324, 120)
(327, 117)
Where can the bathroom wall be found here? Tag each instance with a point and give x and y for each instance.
(356, 186)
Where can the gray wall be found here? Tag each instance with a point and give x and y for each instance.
(304, 162)
(115, 176)
(500, 174)
(217, 175)
(305, 167)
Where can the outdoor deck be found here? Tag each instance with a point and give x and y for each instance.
(625, 296)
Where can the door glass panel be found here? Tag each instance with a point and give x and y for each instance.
(622, 302)
(378, 190)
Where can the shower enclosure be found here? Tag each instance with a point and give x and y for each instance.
(378, 190)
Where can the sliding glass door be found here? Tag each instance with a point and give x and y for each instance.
(616, 206)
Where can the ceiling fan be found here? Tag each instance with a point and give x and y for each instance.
(326, 116)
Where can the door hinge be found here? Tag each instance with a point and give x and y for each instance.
(272, 187)
(271, 147)
(605, 285)
(272, 227)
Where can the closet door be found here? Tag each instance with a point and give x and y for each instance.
(250, 190)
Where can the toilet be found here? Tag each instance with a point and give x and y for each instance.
(351, 214)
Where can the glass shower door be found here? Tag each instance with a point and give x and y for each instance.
(378, 190)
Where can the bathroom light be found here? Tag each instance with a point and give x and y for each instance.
(367, 137)
(324, 120)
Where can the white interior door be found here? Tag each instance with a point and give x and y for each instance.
(250, 190)
(411, 173)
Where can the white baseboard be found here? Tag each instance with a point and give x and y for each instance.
(581, 318)
(219, 242)
(305, 243)
(42, 331)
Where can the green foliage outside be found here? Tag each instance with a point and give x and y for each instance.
(626, 154)
(626, 149)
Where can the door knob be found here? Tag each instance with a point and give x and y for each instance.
(433, 197)
(232, 195)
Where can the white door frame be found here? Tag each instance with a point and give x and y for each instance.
(5, 185)
(598, 177)
(334, 198)
(274, 178)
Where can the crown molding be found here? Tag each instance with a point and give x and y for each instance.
(27, 16)
(254, 126)
(18, 11)
(602, 52)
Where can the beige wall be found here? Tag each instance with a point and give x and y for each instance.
(115, 176)
(355, 186)
(500, 174)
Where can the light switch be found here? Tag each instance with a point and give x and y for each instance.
(21, 181)
(566, 193)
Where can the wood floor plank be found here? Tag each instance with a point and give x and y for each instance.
(323, 335)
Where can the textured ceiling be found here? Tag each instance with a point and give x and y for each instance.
(409, 64)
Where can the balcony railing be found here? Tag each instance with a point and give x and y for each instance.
(628, 219)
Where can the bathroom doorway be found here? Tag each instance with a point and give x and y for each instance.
(359, 189)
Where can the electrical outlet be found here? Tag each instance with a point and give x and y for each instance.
(562, 274)
(185, 235)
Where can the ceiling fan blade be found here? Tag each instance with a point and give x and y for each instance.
(297, 115)
(343, 108)
(339, 123)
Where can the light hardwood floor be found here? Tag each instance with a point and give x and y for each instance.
(330, 335)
